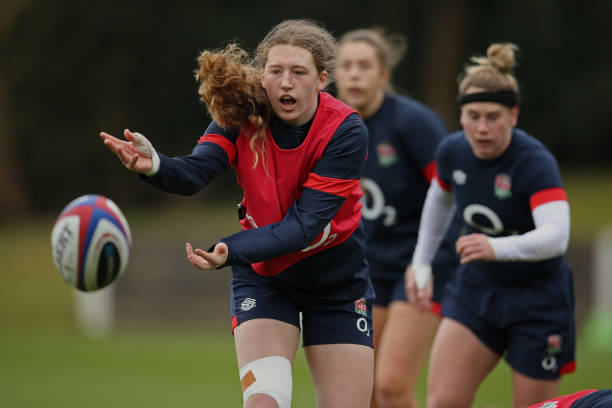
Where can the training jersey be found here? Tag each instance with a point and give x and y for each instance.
(497, 196)
(586, 398)
(404, 135)
(309, 199)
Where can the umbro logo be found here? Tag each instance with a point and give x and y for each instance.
(459, 177)
(248, 304)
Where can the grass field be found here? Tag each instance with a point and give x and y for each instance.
(45, 362)
(171, 368)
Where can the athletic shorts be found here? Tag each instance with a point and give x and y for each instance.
(332, 307)
(388, 291)
(533, 325)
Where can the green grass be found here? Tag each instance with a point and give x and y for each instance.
(45, 362)
(159, 368)
(163, 368)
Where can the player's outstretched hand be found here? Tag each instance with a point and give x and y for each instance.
(419, 286)
(474, 247)
(136, 152)
(207, 260)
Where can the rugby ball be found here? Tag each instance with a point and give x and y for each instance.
(90, 242)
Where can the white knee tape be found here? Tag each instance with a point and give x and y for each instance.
(270, 376)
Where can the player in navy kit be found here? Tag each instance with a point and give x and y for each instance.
(403, 138)
(513, 293)
(298, 154)
(581, 399)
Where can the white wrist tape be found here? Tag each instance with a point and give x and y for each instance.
(422, 274)
(144, 146)
(270, 376)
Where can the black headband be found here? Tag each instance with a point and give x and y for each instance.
(505, 97)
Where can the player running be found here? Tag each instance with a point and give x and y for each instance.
(403, 138)
(513, 293)
(298, 154)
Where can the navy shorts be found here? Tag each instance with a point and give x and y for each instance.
(388, 291)
(531, 323)
(329, 296)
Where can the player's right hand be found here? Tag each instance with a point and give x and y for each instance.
(207, 260)
(136, 152)
(419, 289)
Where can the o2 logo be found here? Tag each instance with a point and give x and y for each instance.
(376, 206)
(496, 227)
(326, 238)
(362, 326)
(549, 363)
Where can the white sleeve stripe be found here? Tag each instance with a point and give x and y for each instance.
(436, 217)
(549, 239)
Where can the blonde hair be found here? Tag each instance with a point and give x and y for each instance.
(390, 48)
(230, 81)
(493, 72)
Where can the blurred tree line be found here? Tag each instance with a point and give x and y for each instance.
(69, 69)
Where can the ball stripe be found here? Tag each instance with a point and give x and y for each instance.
(84, 214)
(102, 202)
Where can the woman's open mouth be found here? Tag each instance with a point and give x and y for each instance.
(287, 102)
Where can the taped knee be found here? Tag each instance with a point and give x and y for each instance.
(270, 376)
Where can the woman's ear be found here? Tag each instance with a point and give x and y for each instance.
(515, 113)
(322, 81)
(386, 75)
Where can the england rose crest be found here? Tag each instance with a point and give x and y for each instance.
(360, 307)
(502, 186)
(386, 153)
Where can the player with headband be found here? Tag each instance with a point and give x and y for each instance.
(513, 293)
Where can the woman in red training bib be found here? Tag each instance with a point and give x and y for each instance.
(299, 260)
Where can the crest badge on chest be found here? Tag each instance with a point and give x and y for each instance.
(503, 186)
(386, 153)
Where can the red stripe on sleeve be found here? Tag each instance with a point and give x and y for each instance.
(339, 187)
(429, 171)
(546, 196)
(445, 187)
(222, 142)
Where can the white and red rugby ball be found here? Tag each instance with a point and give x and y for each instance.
(90, 242)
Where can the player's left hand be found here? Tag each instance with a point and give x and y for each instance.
(207, 260)
(419, 295)
(474, 247)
